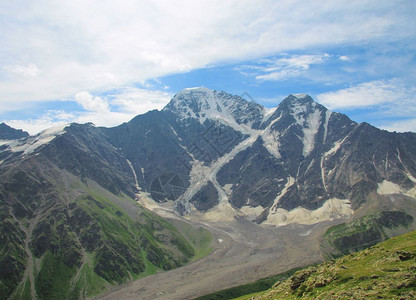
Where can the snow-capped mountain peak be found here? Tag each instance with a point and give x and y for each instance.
(205, 104)
(300, 96)
(200, 103)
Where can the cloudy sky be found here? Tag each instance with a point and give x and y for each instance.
(107, 61)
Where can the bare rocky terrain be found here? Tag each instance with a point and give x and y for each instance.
(243, 252)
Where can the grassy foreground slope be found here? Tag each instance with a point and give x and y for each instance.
(386, 271)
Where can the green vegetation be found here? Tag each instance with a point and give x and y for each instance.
(22, 291)
(384, 271)
(12, 255)
(88, 284)
(202, 241)
(247, 290)
(199, 238)
(366, 231)
(54, 278)
(125, 249)
(82, 246)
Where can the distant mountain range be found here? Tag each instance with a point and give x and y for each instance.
(67, 194)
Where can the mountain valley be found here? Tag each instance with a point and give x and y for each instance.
(218, 190)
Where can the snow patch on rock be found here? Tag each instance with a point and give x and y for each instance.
(327, 117)
(271, 143)
(5, 142)
(309, 132)
(31, 143)
(298, 111)
(271, 139)
(136, 182)
(267, 113)
(200, 174)
(289, 183)
(334, 149)
(299, 96)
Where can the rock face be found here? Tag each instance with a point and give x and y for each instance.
(366, 231)
(9, 133)
(287, 164)
(73, 187)
(68, 226)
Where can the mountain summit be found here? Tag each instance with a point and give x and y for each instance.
(202, 104)
(209, 155)
(296, 163)
(224, 156)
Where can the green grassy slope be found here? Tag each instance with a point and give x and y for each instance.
(199, 237)
(73, 239)
(249, 288)
(386, 270)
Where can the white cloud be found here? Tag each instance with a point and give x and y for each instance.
(381, 100)
(30, 70)
(52, 50)
(109, 119)
(54, 118)
(49, 119)
(369, 94)
(401, 126)
(119, 105)
(94, 45)
(139, 101)
(270, 102)
(88, 102)
(109, 110)
(288, 66)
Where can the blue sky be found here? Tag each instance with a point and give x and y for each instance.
(107, 61)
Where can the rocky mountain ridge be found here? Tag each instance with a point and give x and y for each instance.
(70, 225)
(223, 156)
(298, 162)
(210, 156)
